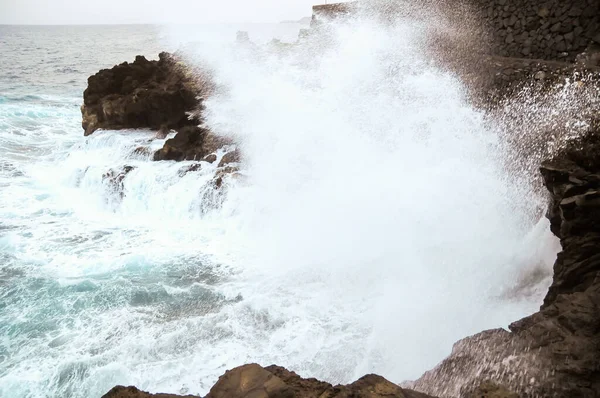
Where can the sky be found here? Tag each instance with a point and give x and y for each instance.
(151, 11)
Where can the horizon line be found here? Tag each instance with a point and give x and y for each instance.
(288, 21)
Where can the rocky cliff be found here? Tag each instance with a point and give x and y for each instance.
(141, 94)
(552, 353)
(160, 95)
(254, 381)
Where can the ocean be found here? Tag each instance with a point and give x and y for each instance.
(375, 224)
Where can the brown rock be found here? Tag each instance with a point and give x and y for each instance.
(210, 158)
(191, 143)
(491, 390)
(143, 94)
(249, 381)
(230, 157)
(132, 392)
(253, 381)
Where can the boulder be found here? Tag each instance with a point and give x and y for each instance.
(132, 392)
(191, 143)
(254, 381)
(143, 94)
(163, 95)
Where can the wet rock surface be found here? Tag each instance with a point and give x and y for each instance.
(163, 95)
(254, 381)
(142, 94)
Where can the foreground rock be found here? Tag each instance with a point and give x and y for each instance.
(254, 381)
(142, 94)
(161, 95)
(556, 351)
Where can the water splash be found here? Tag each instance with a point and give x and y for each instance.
(376, 225)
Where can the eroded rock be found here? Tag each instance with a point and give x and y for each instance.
(114, 179)
(254, 381)
(143, 94)
(132, 392)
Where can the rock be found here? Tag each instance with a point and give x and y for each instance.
(189, 169)
(186, 145)
(191, 143)
(143, 94)
(254, 381)
(249, 381)
(114, 179)
(491, 390)
(543, 12)
(210, 158)
(158, 95)
(132, 392)
(277, 382)
(230, 157)
(142, 151)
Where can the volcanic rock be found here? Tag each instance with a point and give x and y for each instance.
(254, 381)
(161, 95)
(143, 94)
(114, 179)
(132, 392)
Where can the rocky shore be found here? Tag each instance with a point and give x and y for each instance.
(552, 353)
(164, 96)
(254, 381)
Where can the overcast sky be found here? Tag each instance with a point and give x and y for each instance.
(151, 11)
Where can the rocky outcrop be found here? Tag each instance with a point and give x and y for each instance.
(132, 392)
(143, 94)
(554, 352)
(113, 179)
(161, 95)
(254, 381)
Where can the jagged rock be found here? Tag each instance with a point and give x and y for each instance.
(554, 352)
(210, 158)
(277, 382)
(142, 151)
(186, 145)
(158, 95)
(230, 157)
(191, 143)
(254, 381)
(132, 392)
(491, 390)
(142, 94)
(114, 179)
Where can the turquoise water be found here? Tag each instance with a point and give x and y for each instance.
(373, 227)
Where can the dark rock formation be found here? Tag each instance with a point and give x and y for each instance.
(556, 351)
(114, 179)
(254, 381)
(192, 143)
(161, 95)
(143, 94)
(132, 392)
